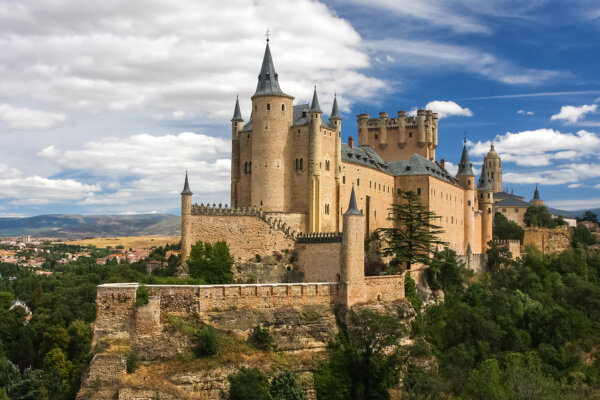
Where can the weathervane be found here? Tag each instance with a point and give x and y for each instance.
(268, 34)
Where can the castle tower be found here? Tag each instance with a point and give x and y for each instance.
(383, 133)
(494, 169)
(466, 179)
(536, 201)
(272, 116)
(402, 129)
(335, 120)
(353, 254)
(363, 129)
(486, 204)
(314, 163)
(421, 134)
(186, 222)
(236, 127)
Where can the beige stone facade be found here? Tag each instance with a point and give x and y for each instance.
(292, 172)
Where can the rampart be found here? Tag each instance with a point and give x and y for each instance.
(247, 231)
(320, 256)
(513, 246)
(548, 240)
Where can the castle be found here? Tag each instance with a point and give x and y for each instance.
(290, 163)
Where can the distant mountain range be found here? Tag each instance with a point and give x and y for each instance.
(81, 226)
(572, 214)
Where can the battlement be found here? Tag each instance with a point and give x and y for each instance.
(376, 123)
(499, 242)
(273, 221)
(319, 237)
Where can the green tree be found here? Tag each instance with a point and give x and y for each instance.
(414, 235)
(286, 386)
(365, 361)
(58, 373)
(539, 217)
(249, 384)
(505, 229)
(583, 236)
(445, 272)
(211, 262)
(590, 216)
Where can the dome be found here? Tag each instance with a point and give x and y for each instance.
(492, 153)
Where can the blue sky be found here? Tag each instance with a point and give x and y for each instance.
(104, 106)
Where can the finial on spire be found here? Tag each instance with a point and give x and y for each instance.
(186, 186)
(268, 34)
(465, 137)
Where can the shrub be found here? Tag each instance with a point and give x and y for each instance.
(410, 291)
(257, 258)
(286, 386)
(132, 362)
(262, 338)
(249, 384)
(141, 296)
(207, 342)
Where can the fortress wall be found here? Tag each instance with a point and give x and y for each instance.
(297, 221)
(147, 317)
(476, 246)
(115, 307)
(384, 288)
(447, 201)
(320, 262)
(246, 236)
(548, 240)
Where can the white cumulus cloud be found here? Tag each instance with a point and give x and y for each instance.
(26, 118)
(448, 109)
(175, 58)
(572, 114)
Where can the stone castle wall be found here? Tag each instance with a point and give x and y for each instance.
(320, 257)
(548, 240)
(247, 231)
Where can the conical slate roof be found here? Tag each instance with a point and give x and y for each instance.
(237, 114)
(186, 186)
(335, 113)
(465, 167)
(314, 106)
(352, 208)
(536, 194)
(268, 83)
(484, 182)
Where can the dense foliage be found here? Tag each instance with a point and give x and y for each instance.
(526, 330)
(505, 229)
(365, 360)
(414, 235)
(211, 262)
(539, 217)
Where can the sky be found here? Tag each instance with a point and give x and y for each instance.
(105, 105)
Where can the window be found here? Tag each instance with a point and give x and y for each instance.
(344, 179)
(298, 132)
(409, 134)
(326, 208)
(370, 185)
(469, 203)
(303, 114)
(418, 190)
(297, 164)
(489, 210)
(380, 187)
(268, 107)
(504, 210)
(250, 167)
(283, 107)
(301, 163)
(376, 137)
(516, 210)
(255, 108)
(327, 165)
(248, 136)
(357, 181)
(245, 167)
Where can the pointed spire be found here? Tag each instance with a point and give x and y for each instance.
(335, 113)
(536, 194)
(268, 79)
(352, 208)
(465, 167)
(314, 106)
(237, 114)
(484, 183)
(186, 186)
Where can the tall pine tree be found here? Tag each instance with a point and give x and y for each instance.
(414, 236)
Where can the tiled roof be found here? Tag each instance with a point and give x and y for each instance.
(512, 202)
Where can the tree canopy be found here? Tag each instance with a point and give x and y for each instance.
(505, 229)
(414, 236)
(212, 263)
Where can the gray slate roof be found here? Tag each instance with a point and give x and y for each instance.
(465, 167)
(237, 114)
(512, 202)
(314, 106)
(363, 155)
(301, 116)
(419, 165)
(335, 112)
(268, 79)
(504, 195)
(186, 186)
(484, 183)
(352, 208)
